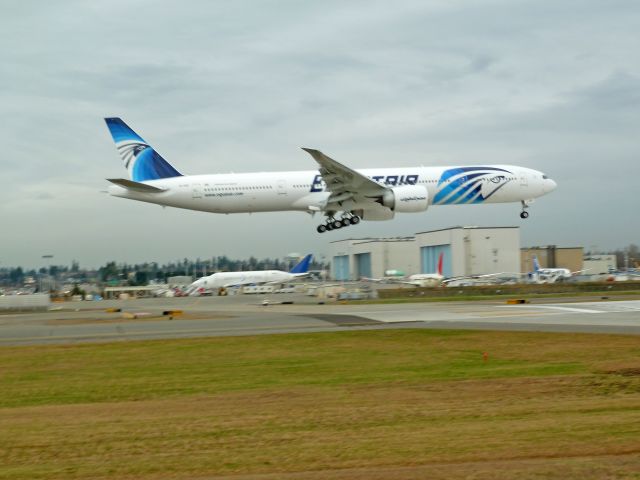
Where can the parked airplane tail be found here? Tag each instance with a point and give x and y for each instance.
(440, 258)
(140, 159)
(303, 265)
(536, 264)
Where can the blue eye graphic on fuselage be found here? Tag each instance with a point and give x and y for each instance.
(465, 185)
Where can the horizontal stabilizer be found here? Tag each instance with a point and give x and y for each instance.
(136, 186)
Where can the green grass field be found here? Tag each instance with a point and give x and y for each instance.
(368, 404)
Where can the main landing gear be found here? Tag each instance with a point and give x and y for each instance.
(524, 214)
(334, 224)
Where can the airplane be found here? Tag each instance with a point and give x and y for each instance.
(417, 279)
(236, 279)
(428, 279)
(438, 279)
(550, 275)
(343, 195)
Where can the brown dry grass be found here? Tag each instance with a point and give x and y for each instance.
(575, 425)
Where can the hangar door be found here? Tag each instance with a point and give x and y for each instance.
(429, 259)
(341, 267)
(363, 265)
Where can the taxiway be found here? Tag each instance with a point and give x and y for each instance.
(246, 315)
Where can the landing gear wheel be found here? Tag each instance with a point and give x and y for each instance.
(354, 220)
(345, 222)
(329, 226)
(321, 228)
(525, 204)
(337, 224)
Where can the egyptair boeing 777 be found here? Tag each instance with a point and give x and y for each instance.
(345, 196)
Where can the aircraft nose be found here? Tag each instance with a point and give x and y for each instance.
(551, 185)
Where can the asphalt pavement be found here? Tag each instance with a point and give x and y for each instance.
(139, 319)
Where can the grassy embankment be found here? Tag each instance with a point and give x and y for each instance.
(369, 404)
(613, 290)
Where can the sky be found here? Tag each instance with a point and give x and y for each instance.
(220, 87)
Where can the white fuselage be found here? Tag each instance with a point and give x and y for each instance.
(550, 275)
(425, 279)
(305, 191)
(229, 279)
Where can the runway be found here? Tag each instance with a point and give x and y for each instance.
(245, 315)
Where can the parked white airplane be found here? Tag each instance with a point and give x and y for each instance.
(334, 189)
(235, 279)
(550, 275)
(437, 278)
(428, 279)
(417, 279)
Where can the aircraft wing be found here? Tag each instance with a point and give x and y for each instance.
(374, 280)
(343, 182)
(485, 276)
(578, 272)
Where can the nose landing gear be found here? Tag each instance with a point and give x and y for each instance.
(524, 214)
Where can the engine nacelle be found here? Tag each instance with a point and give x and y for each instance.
(406, 198)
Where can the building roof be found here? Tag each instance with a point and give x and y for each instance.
(370, 240)
(463, 228)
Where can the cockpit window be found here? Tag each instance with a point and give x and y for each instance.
(544, 177)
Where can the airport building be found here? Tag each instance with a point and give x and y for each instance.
(552, 256)
(599, 264)
(466, 251)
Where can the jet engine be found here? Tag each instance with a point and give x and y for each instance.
(406, 198)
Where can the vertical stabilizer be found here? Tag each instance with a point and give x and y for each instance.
(536, 264)
(303, 265)
(440, 258)
(140, 159)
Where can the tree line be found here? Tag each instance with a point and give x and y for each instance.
(144, 273)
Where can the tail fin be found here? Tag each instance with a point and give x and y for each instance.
(303, 265)
(142, 161)
(536, 264)
(440, 263)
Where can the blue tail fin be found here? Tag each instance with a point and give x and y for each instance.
(142, 161)
(536, 264)
(303, 265)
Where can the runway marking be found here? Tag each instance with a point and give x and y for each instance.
(581, 307)
(566, 309)
(509, 314)
(343, 320)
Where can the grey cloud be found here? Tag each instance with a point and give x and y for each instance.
(241, 86)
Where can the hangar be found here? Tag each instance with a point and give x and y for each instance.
(552, 256)
(466, 251)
